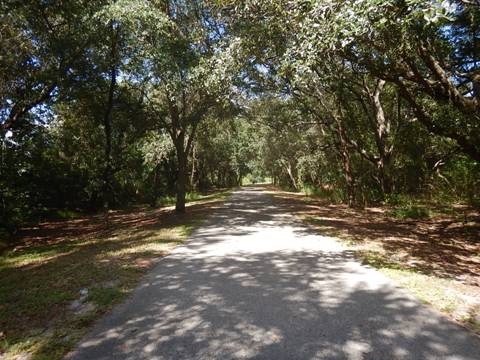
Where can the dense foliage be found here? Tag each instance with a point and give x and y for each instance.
(108, 103)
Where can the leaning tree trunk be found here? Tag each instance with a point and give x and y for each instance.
(291, 175)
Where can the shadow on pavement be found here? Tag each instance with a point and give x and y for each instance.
(226, 296)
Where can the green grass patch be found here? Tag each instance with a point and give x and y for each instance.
(187, 229)
(334, 195)
(457, 300)
(166, 200)
(40, 282)
(169, 200)
(379, 260)
(445, 295)
(67, 214)
(429, 289)
(411, 212)
(312, 191)
(314, 220)
(105, 296)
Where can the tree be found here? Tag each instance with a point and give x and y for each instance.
(44, 46)
(186, 69)
(427, 49)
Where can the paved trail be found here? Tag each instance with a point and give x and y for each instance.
(254, 283)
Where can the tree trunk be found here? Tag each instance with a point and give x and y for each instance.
(342, 148)
(153, 201)
(181, 177)
(349, 179)
(107, 124)
(382, 131)
(291, 176)
(192, 175)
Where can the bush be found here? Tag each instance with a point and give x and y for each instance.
(335, 194)
(410, 212)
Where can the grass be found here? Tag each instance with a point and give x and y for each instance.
(435, 257)
(168, 200)
(313, 194)
(64, 214)
(105, 296)
(444, 295)
(37, 284)
(309, 190)
(68, 273)
(448, 296)
(410, 212)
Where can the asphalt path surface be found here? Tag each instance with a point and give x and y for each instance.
(253, 282)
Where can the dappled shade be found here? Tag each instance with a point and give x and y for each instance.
(254, 283)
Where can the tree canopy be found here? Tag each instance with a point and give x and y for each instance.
(106, 103)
